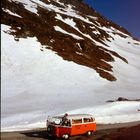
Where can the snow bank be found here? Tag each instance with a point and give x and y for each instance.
(109, 113)
(116, 112)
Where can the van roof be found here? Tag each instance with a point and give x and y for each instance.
(77, 116)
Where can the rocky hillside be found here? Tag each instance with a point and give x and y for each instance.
(68, 27)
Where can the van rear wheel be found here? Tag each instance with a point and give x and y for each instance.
(89, 133)
(65, 136)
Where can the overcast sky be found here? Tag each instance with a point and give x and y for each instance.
(125, 13)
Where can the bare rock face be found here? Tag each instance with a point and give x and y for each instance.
(123, 99)
(69, 27)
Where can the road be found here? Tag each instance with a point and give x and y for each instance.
(104, 132)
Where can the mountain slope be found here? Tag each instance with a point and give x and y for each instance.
(61, 55)
(63, 27)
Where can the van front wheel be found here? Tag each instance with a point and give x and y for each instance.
(65, 136)
(89, 133)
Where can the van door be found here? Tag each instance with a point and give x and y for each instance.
(65, 128)
(89, 124)
(77, 127)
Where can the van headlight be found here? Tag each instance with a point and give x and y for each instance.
(48, 128)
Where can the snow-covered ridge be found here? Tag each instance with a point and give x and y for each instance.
(32, 5)
(28, 4)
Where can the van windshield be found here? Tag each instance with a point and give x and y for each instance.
(54, 120)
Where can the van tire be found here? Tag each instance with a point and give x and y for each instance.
(65, 136)
(89, 133)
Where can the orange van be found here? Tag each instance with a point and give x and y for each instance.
(70, 125)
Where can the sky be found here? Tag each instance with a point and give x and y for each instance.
(125, 13)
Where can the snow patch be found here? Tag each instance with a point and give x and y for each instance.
(68, 21)
(57, 28)
(28, 4)
(11, 13)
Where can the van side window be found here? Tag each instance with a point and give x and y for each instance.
(66, 123)
(86, 120)
(76, 121)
